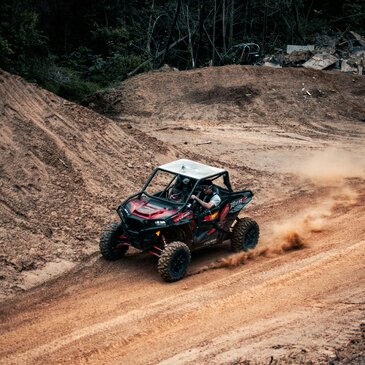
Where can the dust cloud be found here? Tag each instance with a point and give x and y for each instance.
(332, 166)
(291, 241)
(331, 171)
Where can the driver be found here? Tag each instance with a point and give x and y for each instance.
(175, 195)
(209, 198)
(180, 190)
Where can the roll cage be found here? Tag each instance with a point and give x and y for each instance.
(180, 170)
(193, 185)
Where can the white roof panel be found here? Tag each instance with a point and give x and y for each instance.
(195, 170)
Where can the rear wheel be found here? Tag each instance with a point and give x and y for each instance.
(174, 261)
(111, 246)
(245, 235)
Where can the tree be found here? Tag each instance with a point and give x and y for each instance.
(21, 42)
(65, 44)
(178, 8)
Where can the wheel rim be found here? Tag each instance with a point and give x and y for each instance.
(117, 244)
(250, 238)
(178, 263)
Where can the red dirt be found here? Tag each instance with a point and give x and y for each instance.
(64, 168)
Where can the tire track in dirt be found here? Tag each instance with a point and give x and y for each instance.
(227, 348)
(184, 309)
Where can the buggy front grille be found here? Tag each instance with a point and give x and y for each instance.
(134, 224)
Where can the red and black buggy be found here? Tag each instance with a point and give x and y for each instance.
(163, 220)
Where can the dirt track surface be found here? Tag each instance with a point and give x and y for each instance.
(294, 136)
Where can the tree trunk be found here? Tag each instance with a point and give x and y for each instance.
(171, 31)
(105, 15)
(297, 22)
(213, 37)
(149, 29)
(189, 35)
(264, 28)
(230, 40)
(158, 54)
(211, 42)
(224, 26)
(201, 22)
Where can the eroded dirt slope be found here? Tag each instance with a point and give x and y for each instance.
(63, 170)
(296, 137)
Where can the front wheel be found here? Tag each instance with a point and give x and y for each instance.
(174, 261)
(111, 246)
(245, 235)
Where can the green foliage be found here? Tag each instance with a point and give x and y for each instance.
(80, 59)
(108, 40)
(103, 70)
(115, 68)
(77, 90)
(74, 47)
(62, 81)
(20, 40)
(354, 11)
(5, 52)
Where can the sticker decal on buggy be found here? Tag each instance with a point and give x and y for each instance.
(238, 204)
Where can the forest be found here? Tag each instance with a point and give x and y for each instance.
(74, 48)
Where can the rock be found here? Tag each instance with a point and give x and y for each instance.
(320, 61)
(48, 232)
(28, 265)
(270, 64)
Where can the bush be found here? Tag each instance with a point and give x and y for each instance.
(76, 90)
(61, 80)
(115, 68)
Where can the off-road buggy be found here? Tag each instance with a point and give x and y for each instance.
(163, 220)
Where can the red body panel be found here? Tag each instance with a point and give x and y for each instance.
(147, 210)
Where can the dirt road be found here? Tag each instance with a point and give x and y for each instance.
(298, 306)
(276, 305)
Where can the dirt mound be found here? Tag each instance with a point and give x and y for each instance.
(243, 93)
(63, 170)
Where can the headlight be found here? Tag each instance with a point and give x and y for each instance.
(160, 223)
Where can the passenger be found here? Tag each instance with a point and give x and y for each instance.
(209, 198)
